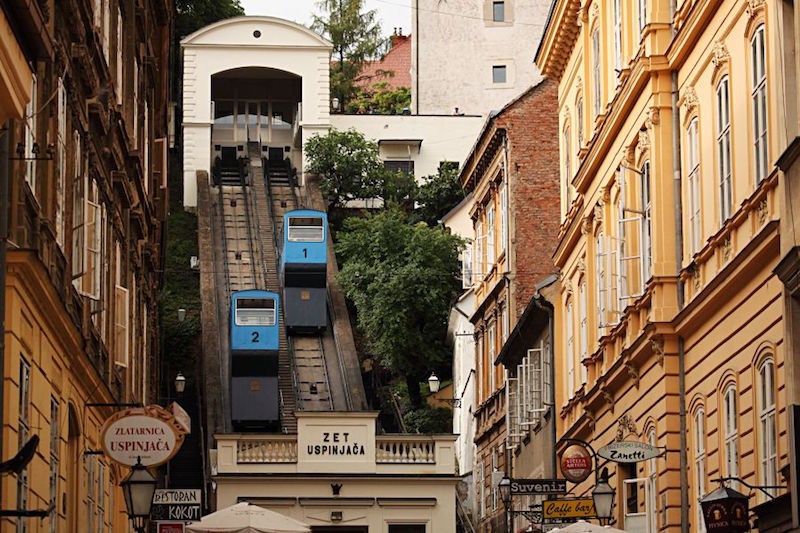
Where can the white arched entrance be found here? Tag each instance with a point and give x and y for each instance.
(271, 79)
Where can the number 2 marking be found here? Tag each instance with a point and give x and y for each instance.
(255, 336)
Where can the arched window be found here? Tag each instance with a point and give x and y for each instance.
(699, 464)
(617, 37)
(652, 484)
(767, 437)
(759, 96)
(570, 352)
(731, 431)
(567, 169)
(579, 120)
(724, 149)
(596, 70)
(642, 14)
(601, 281)
(693, 171)
(584, 330)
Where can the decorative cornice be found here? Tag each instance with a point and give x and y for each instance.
(626, 426)
(653, 118)
(598, 212)
(754, 7)
(644, 142)
(719, 55)
(688, 99)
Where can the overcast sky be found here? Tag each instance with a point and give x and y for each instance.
(392, 13)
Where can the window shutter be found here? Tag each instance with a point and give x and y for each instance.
(512, 413)
(78, 214)
(121, 316)
(466, 266)
(547, 384)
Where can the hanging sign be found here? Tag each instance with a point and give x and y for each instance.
(150, 434)
(627, 451)
(538, 486)
(573, 508)
(176, 504)
(576, 463)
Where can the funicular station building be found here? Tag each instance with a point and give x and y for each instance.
(255, 89)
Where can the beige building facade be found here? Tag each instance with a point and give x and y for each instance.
(670, 322)
(338, 476)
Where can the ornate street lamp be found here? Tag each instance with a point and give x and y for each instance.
(603, 497)
(180, 383)
(138, 489)
(433, 382)
(504, 486)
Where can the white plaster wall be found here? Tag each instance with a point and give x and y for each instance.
(455, 44)
(231, 44)
(443, 138)
(462, 330)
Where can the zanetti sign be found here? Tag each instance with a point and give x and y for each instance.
(627, 451)
(147, 434)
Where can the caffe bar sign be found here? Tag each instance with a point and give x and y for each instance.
(627, 451)
(150, 434)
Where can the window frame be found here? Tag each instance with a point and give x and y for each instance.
(758, 94)
(497, 70)
(596, 79)
(767, 426)
(724, 140)
(693, 183)
(700, 468)
(730, 429)
(502, 5)
(570, 337)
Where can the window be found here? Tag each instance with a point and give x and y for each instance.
(91, 493)
(768, 452)
(406, 528)
(596, 70)
(495, 468)
(29, 136)
(504, 320)
(89, 219)
(481, 492)
(699, 465)
(61, 161)
(406, 167)
(24, 432)
(647, 244)
(652, 482)
(617, 37)
(498, 11)
(479, 270)
(466, 266)
(724, 149)
(101, 497)
(693, 164)
(759, 95)
(731, 432)
(55, 440)
(499, 74)
(490, 251)
(78, 210)
(567, 170)
(602, 289)
(503, 218)
(584, 331)
(642, 15)
(120, 87)
(570, 354)
(579, 121)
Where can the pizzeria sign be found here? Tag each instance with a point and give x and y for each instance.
(148, 434)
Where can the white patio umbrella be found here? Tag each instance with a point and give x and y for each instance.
(581, 526)
(246, 518)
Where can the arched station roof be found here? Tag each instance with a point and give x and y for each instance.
(256, 31)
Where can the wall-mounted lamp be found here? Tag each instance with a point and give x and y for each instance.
(336, 516)
(433, 385)
(335, 104)
(181, 314)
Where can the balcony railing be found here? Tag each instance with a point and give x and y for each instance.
(405, 450)
(270, 450)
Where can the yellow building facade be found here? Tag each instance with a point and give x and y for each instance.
(669, 328)
(84, 89)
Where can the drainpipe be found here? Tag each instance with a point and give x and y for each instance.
(416, 54)
(5, 143)
(677, 189)
(507, 227)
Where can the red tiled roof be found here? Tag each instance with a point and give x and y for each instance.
(397, 61)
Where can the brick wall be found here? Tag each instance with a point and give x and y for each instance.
(532, 128)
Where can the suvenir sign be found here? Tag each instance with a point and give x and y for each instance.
(538, 486)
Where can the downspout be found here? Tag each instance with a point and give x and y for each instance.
(677, 190)
(416, 54)
(5, 213)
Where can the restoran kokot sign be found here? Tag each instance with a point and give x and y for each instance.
(150, 434)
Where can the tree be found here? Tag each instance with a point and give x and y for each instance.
(351, 169)
(381, 100)
(356, 38)
(438, 194)
(191, 15)
(402, 279)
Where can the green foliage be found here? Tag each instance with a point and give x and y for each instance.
(191, 15)
(352, 170)
(380, 100)
(429, 420)
(181, 290)
(356, 38)
(402, 279)
(438, 194)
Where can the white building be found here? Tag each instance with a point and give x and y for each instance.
(474, 55)
(266, 80)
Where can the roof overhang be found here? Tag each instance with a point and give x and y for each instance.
(415, 143)
(559, 38)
